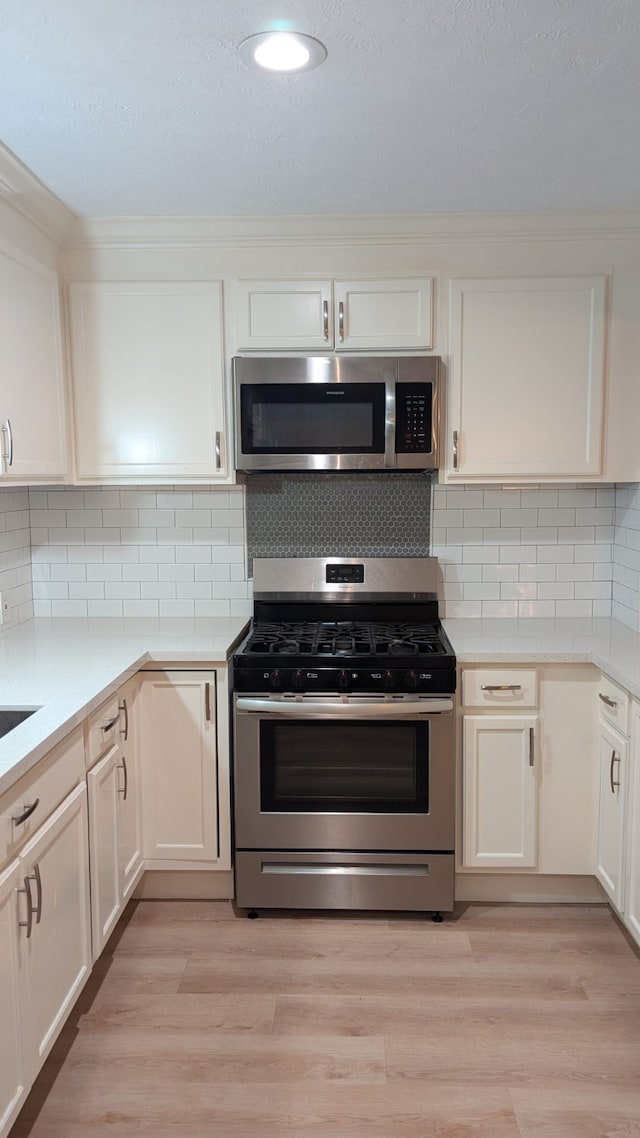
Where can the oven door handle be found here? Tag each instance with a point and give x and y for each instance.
(407, 709)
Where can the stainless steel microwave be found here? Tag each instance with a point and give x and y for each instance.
(336, 412)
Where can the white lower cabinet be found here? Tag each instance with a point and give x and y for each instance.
(500, 803)
(14, 1076)
(180, 768)
(114, 820)
(55, 948)
(529, 785)
(614, 758)
(632, 888)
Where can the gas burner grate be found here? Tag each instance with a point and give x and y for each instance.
(340, 639)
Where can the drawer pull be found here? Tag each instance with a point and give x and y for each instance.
(501, 687)
(110, 724)
(18, 819)
(605, 699)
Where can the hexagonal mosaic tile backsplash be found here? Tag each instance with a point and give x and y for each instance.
(341, 515)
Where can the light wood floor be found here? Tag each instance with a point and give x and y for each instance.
(504, 1022)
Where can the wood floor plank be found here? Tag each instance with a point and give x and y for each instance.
(402, 1016)
(293, 939)
(287, 1111)
(151, 973)
(221, 1012)
(588, 1112)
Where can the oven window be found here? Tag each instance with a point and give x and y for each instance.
(291, 418)
(365, 767)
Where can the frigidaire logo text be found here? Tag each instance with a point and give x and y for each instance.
(334, 392)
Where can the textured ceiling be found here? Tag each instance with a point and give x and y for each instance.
(126, 107)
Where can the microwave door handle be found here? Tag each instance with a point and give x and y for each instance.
(390, 425)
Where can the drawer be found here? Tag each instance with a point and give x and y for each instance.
(103, 729)
(500, 687)
(47, 785)
(614, 705)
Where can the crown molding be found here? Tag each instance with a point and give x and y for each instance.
(356, 229)
(25, 193)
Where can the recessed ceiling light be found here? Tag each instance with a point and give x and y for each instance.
(283, 51)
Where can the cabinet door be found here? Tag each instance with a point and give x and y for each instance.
(129, 816)
(383, 314)
(14, 1077)
(276, 315)
(106, 899)
(32, 409)
(180, 808)
(148, 374)
(613, 775)
(57, 954)
(500, 792)
(526, 370)
(632, 842)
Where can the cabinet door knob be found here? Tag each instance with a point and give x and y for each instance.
(532, 746)
(341, 321)
(325, 319)
(455, 450)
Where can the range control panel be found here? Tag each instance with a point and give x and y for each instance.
(345, 574)
(413, 418)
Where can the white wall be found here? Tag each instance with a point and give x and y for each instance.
(15, 555)
(139, 552)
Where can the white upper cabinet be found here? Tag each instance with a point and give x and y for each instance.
(32, 407)
(526, 378)
(148, 378)
(307, 315)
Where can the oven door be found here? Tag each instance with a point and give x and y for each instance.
(314, 413)
(363, 774)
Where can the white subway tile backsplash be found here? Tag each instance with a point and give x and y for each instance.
(105, 572)
(556, 543)
(135, 551)
(175, 572)
(138, 572)
(139, 551)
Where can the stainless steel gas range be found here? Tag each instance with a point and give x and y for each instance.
(344, 738)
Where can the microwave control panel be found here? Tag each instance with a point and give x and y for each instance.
(413, 418)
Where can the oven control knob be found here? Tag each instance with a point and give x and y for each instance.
(388, 681)
(343, 681)
(411, 680)
(297, 680)
(276, 682)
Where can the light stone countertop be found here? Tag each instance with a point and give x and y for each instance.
(67, 667)
(610, 646)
